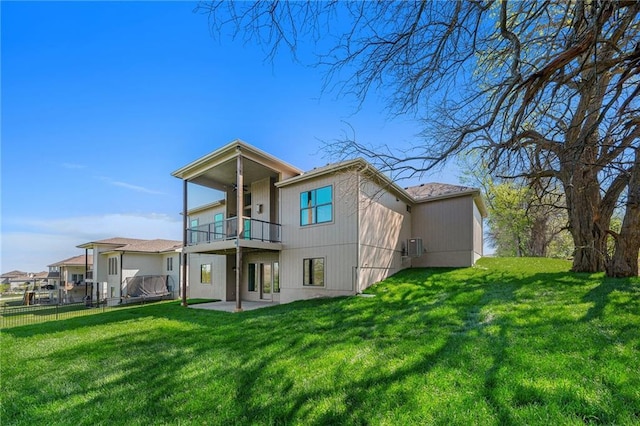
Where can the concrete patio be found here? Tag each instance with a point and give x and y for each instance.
(231, 306)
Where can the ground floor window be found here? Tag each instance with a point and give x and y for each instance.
(252, 276)
(169, 263)
(264, 277)
(313, 271)
(205, 273)
(276, 278)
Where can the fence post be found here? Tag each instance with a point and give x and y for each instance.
(57, 304)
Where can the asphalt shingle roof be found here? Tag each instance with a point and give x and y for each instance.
(151, 246)
(432, 190)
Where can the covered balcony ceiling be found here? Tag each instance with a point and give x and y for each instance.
(223, 176)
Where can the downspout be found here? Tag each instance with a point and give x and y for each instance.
(356, 284)
(240, 219)
(358, 249)
(121, 274)
(94, 275)
(183, 264)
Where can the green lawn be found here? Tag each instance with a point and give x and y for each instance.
(511, 341)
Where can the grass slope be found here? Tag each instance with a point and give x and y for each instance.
(511, 341)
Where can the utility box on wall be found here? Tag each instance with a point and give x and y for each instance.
(414, 247)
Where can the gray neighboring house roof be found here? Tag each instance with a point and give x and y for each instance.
(136, 245)
(9, 276)
(20, 276)
(75, 261)
(151, 246)
(116, 241)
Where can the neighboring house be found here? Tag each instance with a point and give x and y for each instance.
(72, 277)
(332, 231)
(19, 280)
(6, 277)
(119, 263)
(14, 278)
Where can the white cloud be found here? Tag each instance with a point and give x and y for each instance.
(49, 241)
(130, 186)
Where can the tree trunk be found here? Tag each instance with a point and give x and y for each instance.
(586, 222)
(538, 241)
(627, 244)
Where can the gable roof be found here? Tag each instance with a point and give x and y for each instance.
(20, 276)
(12, 274)
(433, 190)
(135, 245)
(151, 246)
(438, 191)
(116, 242)
(75, 261)
(231, 150)
(357, 164)
(416, 194)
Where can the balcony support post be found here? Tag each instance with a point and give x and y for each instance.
(239, 218)
(184, 243)
(86, 269)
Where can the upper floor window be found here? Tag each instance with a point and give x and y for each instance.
(316, 206)
(193, 234)
(169, 263)
(218, 226)
(113, 265)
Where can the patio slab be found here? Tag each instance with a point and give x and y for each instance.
(247, 305)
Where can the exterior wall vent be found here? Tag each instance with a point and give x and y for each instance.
(414, 247)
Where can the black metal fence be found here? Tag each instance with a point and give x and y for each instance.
(13, 316)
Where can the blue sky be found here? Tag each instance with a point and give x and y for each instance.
(102, 101)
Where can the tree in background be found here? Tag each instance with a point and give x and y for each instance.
(547, 91)
(509, 228)
(521, 223)
(524, 218)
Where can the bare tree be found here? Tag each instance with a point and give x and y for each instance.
(544, 90)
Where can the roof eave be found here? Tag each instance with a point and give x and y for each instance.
(475, 193)
(360, 165)
(228, 151)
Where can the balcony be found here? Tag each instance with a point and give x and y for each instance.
(226, 230)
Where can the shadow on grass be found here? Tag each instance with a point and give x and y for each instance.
(600, 295)
(328, 361)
